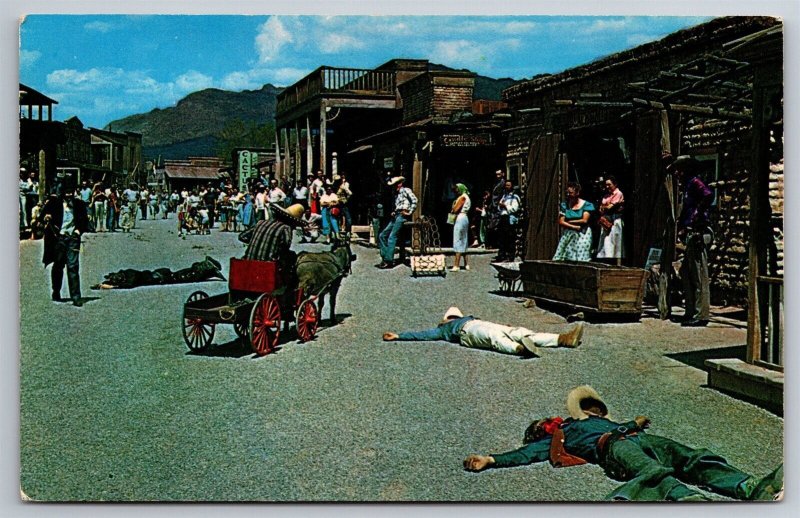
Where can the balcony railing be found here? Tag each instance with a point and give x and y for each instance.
(323, 80)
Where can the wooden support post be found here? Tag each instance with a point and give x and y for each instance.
(416, 185)
(298, 157)
(323, 138)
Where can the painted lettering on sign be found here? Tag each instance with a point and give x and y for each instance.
(245, 168)
(469, 140)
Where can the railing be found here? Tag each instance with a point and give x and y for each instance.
(771, 318)
(341, 80)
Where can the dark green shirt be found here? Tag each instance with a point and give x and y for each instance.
(580, 439)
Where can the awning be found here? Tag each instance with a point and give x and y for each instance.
(359, 149)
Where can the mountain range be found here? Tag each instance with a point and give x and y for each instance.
(195, 125)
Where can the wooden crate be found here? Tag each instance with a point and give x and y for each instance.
(596, 287)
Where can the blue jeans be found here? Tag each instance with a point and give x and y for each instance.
(329, 222)
(387, 240)
(449, 332)
(67, 254)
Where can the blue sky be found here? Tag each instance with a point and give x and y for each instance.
(102, 68)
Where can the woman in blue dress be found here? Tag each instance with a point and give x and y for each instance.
(247, 214)
(574, 214)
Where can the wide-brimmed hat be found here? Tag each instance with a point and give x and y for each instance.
(290, 215)
(452, 312)
(397, 179)
(686, 163)
(581, 398)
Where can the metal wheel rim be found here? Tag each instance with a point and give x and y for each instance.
(196, 333)
(265, 324)
(307, 320)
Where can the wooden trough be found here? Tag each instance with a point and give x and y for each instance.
(597, 288)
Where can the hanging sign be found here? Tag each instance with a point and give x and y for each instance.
(467, 140)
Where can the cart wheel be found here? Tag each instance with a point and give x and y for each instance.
(196, 332)
(307, 320)
(242, 329)
(265, 324)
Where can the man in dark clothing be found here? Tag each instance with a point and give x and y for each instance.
(654, 468)
(128, 278)
(65, 218)
(694, 231)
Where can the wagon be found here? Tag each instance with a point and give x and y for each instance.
(257, 303)
(596, 288)
(509, 277)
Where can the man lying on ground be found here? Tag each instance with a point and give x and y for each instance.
(653, 468)
(128, 278)
(480, 334)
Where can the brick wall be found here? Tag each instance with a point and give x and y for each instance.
(437, 95)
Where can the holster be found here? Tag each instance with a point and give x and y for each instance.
(604, 446)
(559, 458)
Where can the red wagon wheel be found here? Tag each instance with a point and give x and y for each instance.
(307, 320)
(265, 324)
(197, 333)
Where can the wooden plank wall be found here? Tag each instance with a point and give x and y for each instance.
(650, 205)
(547, 176)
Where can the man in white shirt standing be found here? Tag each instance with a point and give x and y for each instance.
(300, 194)
(509, 206)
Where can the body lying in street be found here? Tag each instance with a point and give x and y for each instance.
(654, 468)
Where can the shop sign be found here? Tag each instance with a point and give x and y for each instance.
(245, 163)
(467, 140)
(388, 162)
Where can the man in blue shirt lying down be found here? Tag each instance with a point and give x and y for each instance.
(653, 468)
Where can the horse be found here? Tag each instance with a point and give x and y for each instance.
(320, 273)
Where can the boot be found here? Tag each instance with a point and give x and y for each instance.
(571, 338)
(768, 488)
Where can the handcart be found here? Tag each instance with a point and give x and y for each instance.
(256, 304)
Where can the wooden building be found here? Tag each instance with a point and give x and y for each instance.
(69, 150)
(401, 118)
(194, 173)
(714, 91)
(329, 109)
(616, 115)
(439, 142)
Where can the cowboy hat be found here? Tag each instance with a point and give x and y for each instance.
(684, 163)
(397, 179)
(290, 215)
(581, 398)
(452, 312)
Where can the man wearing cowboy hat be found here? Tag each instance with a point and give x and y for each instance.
(404, 204)
(654, 468)
(271, 240)
(694, 230)
(480, 334)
